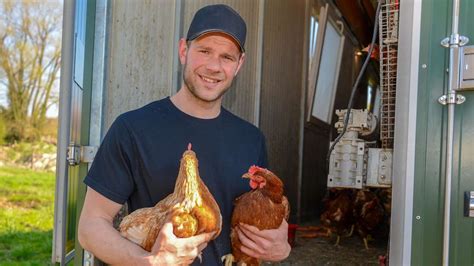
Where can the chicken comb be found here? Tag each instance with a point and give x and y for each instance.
(190, 146)
(253, 169)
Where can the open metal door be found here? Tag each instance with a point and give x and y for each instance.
(443, 226)
(74, 113)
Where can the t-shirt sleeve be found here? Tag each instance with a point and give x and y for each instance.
(111, 171)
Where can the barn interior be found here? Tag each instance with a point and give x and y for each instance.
(347, 161)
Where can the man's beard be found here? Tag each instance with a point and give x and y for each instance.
(189, 84)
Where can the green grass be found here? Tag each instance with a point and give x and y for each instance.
(26, 216)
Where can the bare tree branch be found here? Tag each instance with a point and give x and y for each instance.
(30, 34)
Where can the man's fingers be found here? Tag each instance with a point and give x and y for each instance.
(267, 234)
(248, 242)
(249, 252)
(202, 238)
(253, 233)
(167, 229)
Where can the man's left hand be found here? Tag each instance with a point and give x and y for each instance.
(267, 245)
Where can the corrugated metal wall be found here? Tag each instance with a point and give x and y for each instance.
(282, 89)
(140, 54)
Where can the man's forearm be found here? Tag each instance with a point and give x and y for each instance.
(97, 236)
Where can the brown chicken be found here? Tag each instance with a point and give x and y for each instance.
(264, 207)
(368, 213)
(191, 208)
(337, 217)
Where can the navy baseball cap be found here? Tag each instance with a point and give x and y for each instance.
(218, 18)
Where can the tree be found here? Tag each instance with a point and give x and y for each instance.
(30, 51)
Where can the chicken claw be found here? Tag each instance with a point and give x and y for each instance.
(227, 259)
(200, 257)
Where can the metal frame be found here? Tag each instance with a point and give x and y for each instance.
(259, 64)
(327, 15)
(403, 174)
(315, 60)
(60, 202)
(178, 29)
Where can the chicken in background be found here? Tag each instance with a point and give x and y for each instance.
(264, 207)
(368, 214)
(385, 196)
(191, 208)
(337, 217)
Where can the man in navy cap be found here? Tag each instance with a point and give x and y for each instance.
(138, 160)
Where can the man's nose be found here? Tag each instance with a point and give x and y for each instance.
(214, 64)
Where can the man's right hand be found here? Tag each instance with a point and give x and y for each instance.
(171, 250)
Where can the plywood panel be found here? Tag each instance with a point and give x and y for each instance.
(141, 42)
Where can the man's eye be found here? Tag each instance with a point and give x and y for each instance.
(229, 58)
(204, 52)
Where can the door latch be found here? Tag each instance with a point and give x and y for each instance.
(80, 154)
(469, 203)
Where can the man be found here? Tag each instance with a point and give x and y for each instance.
(138, 160)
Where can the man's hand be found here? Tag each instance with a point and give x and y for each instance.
(171, 250)
(267, 245)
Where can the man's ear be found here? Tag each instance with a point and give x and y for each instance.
(241, 62)
(182, 50)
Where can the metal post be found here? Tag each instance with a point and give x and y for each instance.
(60, 202)
(447, 190)
(451, 99)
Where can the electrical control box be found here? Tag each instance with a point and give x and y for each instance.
(469, 203)
(379, 168)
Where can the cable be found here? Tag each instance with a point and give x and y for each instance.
(356, 84)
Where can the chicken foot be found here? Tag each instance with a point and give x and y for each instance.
(227, 259)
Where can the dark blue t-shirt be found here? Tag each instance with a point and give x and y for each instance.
(138, 160)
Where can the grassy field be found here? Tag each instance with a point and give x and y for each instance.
(26, 216)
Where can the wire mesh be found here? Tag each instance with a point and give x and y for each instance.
(388, 38)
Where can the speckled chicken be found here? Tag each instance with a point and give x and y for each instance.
(264, 207)
(191, 208)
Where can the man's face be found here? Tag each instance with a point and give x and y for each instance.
(210, 64)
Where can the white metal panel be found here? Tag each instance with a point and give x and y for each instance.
(405, 133)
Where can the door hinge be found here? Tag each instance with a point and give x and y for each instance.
(451, 98)
(455, 39)
(80, 154)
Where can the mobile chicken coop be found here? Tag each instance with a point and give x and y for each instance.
(303, 58)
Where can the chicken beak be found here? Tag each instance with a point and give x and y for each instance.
(247, 175)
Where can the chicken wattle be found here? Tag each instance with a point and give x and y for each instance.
(191, 208)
